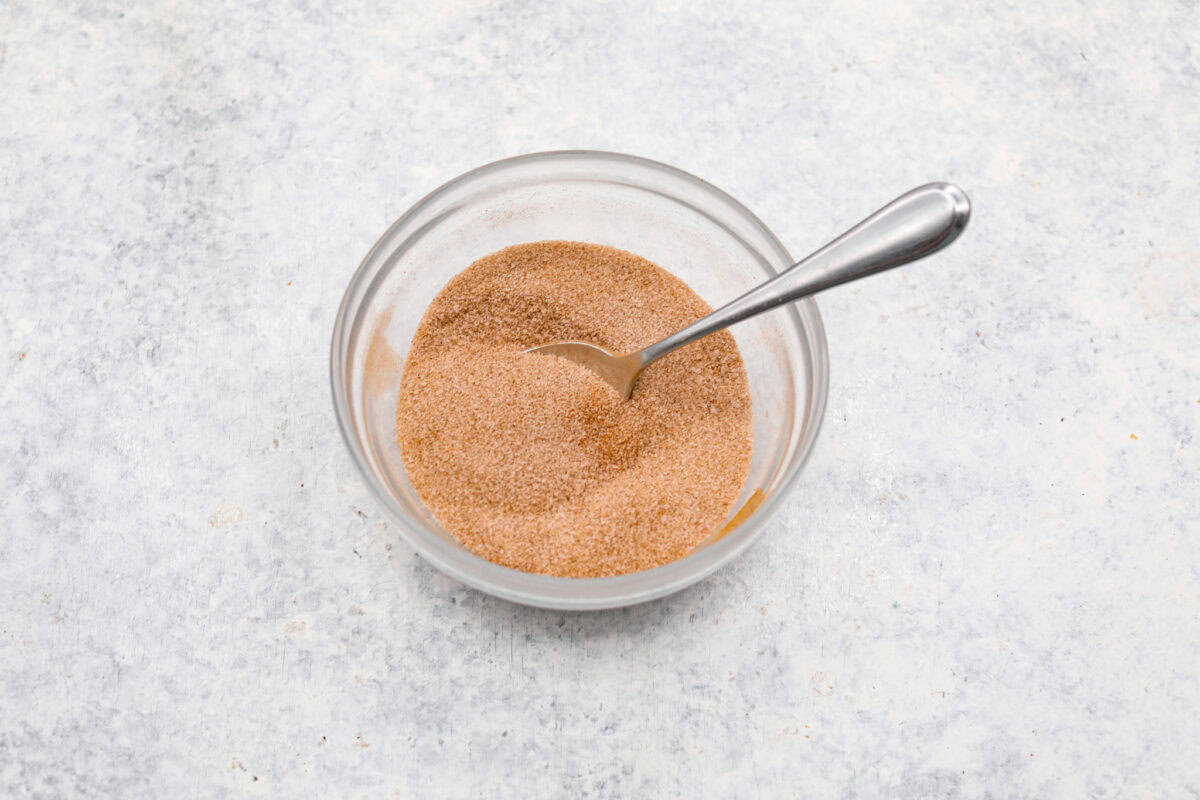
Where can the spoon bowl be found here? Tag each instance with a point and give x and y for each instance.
(618, 371)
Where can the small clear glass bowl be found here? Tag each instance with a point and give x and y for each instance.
(674, 219)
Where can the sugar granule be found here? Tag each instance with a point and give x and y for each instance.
(532, 461)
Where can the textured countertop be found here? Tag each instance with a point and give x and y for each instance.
(986, 584)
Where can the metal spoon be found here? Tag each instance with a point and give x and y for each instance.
(914, 225)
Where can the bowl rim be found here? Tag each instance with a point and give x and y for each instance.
(675, 575)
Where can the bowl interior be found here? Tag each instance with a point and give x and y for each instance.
(674, 220)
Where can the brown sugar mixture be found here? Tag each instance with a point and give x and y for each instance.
(535, 463)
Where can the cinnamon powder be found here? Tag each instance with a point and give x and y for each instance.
(532, 461)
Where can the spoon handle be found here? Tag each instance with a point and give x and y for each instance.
(914, 225)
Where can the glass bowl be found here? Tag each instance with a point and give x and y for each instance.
(674, 219)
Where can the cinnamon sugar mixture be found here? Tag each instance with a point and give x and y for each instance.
(535, 463)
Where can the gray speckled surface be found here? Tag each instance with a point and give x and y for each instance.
(985, 585)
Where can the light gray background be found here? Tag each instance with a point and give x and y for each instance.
(986, 583)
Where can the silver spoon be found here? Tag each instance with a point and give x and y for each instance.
(914, 225)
